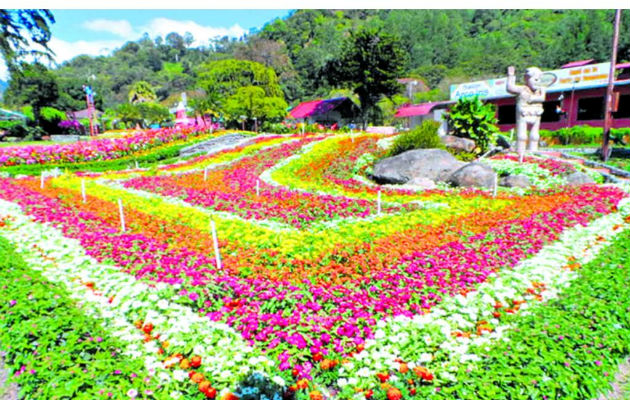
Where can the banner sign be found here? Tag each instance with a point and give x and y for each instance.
(586, 76)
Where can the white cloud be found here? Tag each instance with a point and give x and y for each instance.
(65, 50)
(201, 33)
(120, 28)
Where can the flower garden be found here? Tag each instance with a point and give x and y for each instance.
(324, 286)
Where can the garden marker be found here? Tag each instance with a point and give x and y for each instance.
(83, 190)
(205, 174)
(257, 187)
(215, 243)
(494, 186)
(137, 166)
(41, 180)
(378, 203)
(122, 216)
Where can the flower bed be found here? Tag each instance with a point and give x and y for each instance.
(318, 295)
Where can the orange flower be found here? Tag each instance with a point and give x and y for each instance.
(197, 377)
(315, 395)
(195, 361)
(394, 394)
(404, 368)
(184, 364)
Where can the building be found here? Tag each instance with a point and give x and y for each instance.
(340, 111)
(415, 114)
(575, 96)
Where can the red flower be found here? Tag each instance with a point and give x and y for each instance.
(394, 394)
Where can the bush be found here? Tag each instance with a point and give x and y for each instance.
(424, 136)
(470, 118)
(584, 134)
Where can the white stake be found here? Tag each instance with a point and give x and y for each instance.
(205, 174)
(122, 216)
(83, 190)
(215, 243)
(137, 166)
(496, 183)
(258, 187)
(41, 180)
(378, 203)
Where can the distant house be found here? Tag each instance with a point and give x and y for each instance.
(416, 113)
(83, 114)
(340, 111)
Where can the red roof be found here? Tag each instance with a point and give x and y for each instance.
(315, 107)
(417, 109)
(577, 63)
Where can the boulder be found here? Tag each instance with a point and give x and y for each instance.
(422, 183)
(433, 164)
(520, 181)
(458, 143)
(474, 174)
(579, 178)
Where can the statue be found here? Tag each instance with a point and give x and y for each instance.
(529, 108)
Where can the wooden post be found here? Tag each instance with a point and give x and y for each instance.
(609, 90)
(215, 243)
(122, 216)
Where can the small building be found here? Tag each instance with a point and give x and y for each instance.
(340, 110)
(415, 114)
(575, 96)
(83, 114)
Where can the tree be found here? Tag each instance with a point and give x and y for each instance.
(227, 76)
(370, 63)
(142, 92)
(33, 84)
(252, 102)
(18, 28)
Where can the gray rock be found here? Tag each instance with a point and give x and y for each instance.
(433, 164)
(423, 183)
(579, 178)
(510, 181)
(473, 175)
(458, 143)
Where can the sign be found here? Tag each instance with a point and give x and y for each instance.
(558, 80)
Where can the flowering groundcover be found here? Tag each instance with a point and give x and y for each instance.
(318, 294)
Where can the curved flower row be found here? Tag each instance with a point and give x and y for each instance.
(94, 150)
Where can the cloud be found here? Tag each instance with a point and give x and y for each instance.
(67, 50)
(120, 28)
(164, 26)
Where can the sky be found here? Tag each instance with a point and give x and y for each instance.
(99, 32)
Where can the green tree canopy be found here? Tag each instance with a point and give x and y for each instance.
(252, 103)
(32, 84)
(227, 76)
(142, 92)
(20, 28)
(370, 63)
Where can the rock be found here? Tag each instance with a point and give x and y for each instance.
(520, 181)
(473, 175)
(433, 164)
(579, 178)
(503, 142)
(423, 183)
(458, 143)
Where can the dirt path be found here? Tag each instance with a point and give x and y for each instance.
(620, 388)
(7, 392)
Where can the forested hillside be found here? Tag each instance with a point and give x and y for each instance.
(304, 50)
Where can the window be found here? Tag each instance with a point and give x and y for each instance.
(507, 114)
(550, 111)
(590, 108)
(623, 109)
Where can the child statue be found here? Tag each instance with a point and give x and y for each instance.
(529, 108)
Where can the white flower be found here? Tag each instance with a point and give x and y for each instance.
(175, 394)
(180, 375)
(278, 380)
(341, 382)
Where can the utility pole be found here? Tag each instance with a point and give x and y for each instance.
(609, 91)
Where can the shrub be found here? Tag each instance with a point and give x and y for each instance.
(584, 134)
(470, 118)
(424, 136)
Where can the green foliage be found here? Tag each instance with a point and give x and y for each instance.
(52, 114)
(583, 134)
(580, 337)
(32, 85)
(470, 118)
(19, 30)
(424, 136)
(370, 62)
(227, 76)
(52, 349)
(252, 103)
(142, 92)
